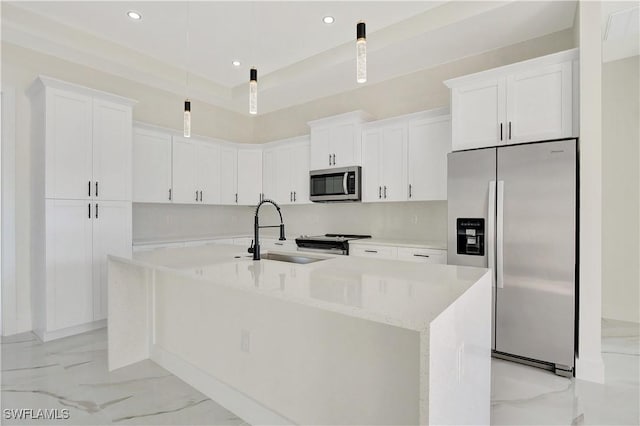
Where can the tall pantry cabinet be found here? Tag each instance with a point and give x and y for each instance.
(81, 202)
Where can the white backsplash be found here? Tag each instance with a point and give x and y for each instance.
(407, 221)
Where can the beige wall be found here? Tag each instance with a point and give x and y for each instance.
(418, 91)
(620, 189)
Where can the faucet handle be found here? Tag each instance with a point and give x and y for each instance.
(251, 248)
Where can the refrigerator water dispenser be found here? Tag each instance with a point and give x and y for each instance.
(470, 236)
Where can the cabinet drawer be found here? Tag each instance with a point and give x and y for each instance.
(383, 252)
(421, 255)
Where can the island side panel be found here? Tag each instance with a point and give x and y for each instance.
(460, 360)
(128, 321)
(310, 365)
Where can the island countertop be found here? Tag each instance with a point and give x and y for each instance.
(402, 294)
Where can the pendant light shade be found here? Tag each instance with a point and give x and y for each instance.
(187, 118)
(253, 91)
(361, 53)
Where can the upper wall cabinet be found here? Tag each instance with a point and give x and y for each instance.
(529, 101)
(152, 166)
(286, 171)
(249, 186)
(87, 141)
(195, 171)
(228, 173)
(336, 141)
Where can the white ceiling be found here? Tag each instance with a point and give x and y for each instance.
(299, 58)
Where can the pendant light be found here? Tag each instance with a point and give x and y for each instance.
(187, 102)
(253, 91)
(361, 53)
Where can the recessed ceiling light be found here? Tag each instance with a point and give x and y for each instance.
(328, 19)
(134, 15)
(235, 63)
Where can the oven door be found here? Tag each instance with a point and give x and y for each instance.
(340, 184)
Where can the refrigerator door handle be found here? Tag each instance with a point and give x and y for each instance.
(491, 231)
(500, 235)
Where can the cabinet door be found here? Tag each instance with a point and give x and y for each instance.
(284, 169)
(69, 170)
(69, 263)
(269, 171)
(249, 177)
(478, 111)
(429, 142)
(111, 235)
(342, 145)
(371, 186)
(112, 130)
(228, 175)
(393, 163)
(539, 104)
(320, 155)
(300, 173)
(208, 173)
(151, 166)
(184, 171)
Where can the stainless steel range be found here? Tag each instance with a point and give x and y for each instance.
(327, 243)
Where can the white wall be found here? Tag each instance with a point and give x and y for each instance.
(620, 189)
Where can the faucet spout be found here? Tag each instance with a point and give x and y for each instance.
(256, 227)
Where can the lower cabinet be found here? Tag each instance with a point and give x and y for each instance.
(410, 254)
(79, 234)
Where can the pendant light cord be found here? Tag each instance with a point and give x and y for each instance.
(187, 54)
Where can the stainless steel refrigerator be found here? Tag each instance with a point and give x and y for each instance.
(513, 209)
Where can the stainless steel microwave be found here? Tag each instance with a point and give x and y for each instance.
(339, 184)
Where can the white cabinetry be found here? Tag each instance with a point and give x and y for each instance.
(81, 202)
(249, 177)
(429, 142)
(398, 252)
(228, 175)
(336, 140)
(286, 171)
(524, 102)
(195, 167)
(385, 161)
(152, 166)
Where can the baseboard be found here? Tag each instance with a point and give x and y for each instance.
(248, 409)
(590, 369)
(47, 336)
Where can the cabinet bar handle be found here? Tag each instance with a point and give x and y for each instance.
(169, 194)
(509, 130)
(500, 131)
(329, 159)
(385, 191)
(236, 198)
(89, 192)
(200, 196)
(334, 159)
(409, 190)
(89, 209)
(96, 210)
(196, 195)
(96, 188)
(379, 192)
(290, 196)
(371, 251)
(421, 255)
(294, 196)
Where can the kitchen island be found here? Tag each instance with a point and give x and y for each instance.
(341, 340)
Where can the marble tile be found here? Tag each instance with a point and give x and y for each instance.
(71, 373)
(527, 395)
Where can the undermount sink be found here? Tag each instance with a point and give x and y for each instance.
(291, 258)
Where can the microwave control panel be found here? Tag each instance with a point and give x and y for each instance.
(470, 233)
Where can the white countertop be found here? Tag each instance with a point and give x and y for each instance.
(436, 245)
(402, 294)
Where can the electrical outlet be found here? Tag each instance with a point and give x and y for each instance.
(245, 341)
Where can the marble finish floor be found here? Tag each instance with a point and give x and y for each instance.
(72, 373)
